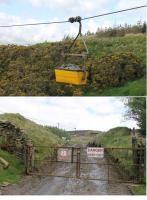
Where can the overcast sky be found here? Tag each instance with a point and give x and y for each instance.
(94, 113)
(32, 11)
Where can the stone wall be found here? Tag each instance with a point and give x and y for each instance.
(12, 138)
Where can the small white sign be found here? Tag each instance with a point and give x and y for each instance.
(95, 152)
(64, 154)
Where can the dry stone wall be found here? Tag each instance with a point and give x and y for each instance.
(12, 138)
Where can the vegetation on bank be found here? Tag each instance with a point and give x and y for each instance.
(116, 137)
(113, 61)
(120, 137)
(39, 135)
(15, 170)
(81, 140)
(59, 132)
(139, 189)
(136, 110)
(131, 88)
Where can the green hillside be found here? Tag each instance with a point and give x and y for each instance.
(116, 137)
(37, 133)
(40, 136)
(120, 137)
(29, 70)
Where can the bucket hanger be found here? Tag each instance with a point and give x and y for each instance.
(84, 54)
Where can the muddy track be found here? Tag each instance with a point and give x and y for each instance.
(63, 186)
(44, 185)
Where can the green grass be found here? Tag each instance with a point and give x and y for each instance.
(15, 170)
(133, 88)
(39, 61)
(119, 137)
(103, 46)
(139, 190)
(40, 135)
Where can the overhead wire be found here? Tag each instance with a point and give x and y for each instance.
(115, 12)
(67, 21)
(33, 24)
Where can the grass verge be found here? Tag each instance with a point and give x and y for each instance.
(15, 170)
(139, 189)
(133, 88)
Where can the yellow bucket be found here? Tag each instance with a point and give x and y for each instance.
(70, 77)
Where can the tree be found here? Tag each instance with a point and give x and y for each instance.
(144, 27)
(137, 111)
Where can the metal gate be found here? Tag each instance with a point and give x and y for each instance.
(115, 165)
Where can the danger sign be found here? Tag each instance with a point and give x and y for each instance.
(95, 152)
(64, 154)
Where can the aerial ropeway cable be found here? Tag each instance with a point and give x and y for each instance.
(66, 21)
(70, 73)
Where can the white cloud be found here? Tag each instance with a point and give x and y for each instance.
(4, 1)
(27, 35)
(71, 6)
(92, 26)
(80, 113)
(64, 8)
(123, 4)
(139, 14)
(36, 34)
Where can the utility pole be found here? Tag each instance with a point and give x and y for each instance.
(75, 131)
(134, 139)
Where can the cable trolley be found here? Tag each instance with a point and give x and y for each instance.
(70, 73)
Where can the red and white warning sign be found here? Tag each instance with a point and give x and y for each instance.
(95, 152)
(64, 154)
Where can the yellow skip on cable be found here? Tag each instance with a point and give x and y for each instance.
(71, 77)
(70, 73)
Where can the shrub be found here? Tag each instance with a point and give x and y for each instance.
(115, 69)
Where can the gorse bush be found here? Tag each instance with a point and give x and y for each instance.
(29, 70)
(115, 69)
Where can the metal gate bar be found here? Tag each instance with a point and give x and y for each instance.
(78, 164)
(79, 159)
